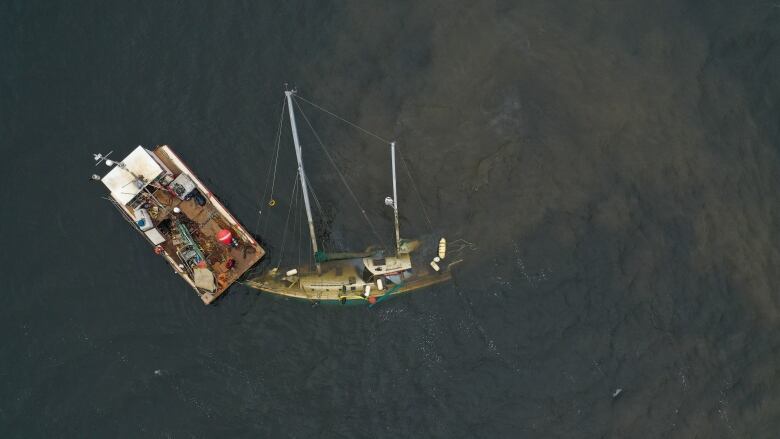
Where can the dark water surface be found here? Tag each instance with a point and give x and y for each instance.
(615, 163)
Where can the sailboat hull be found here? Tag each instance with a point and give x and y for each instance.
(340, 282)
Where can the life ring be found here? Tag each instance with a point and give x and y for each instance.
(272, 203)
(158, 249)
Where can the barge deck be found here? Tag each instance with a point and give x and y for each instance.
(190, 228)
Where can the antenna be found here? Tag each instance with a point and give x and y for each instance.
(100, 158)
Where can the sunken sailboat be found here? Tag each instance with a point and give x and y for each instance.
(369, 276)
(180, 218)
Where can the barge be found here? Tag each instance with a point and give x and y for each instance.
(181, 219)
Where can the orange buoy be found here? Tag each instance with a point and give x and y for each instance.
(372, 299)
(225, 237)
(222, 280)
(158, 249)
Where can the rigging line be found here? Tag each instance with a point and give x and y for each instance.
(278, 142)
(342, 119)
(416, 191)
(284, 235)
(319, 207)
(290, 214)
(311, 258)
(343, 179)
(299, 221)
(298, 196)
(314, 194)
(268, 172)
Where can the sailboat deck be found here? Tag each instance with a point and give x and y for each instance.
(328, 283)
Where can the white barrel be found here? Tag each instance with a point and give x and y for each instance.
(442, 248)
(379, 284)
(367, 290)
(143, 220)
(435, 266)
(292, 272)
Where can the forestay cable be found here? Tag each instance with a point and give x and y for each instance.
(278, 142)
(342, 119)
(268, 173)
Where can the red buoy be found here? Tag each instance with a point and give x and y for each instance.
(225, 237)
(372, 299)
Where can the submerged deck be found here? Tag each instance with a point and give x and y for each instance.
(343, 281)
(275, 285)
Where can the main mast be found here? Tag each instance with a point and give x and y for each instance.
(302, 174)
(395, 203)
